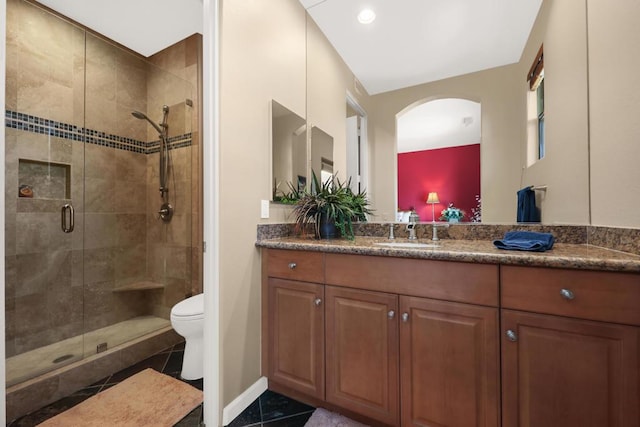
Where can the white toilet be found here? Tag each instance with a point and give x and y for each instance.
(187, 319)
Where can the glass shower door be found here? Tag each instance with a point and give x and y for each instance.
(43, 192)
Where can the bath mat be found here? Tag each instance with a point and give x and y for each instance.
(146, 399)
(323, 418)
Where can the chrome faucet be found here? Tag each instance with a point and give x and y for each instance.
(435, 230)
(411, 227)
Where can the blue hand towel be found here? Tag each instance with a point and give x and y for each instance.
(527, 210)
(525, 241)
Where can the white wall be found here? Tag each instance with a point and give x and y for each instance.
(262, 48)
(614, 62)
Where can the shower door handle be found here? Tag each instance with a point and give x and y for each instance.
(67, 209)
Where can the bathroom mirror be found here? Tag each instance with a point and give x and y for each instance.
(321, 154)
(288, 151)
(503, 94)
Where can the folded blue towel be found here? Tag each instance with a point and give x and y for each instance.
(525, 241)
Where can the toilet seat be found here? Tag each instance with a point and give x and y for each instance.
(189, 309)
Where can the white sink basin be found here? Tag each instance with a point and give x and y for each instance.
(408, 245)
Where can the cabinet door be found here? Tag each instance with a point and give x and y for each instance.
(449, 364)
(561, 372)
(296, 336)
(362, 352)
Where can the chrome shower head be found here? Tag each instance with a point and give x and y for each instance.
(142, 116)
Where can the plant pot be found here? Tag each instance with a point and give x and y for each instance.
(453, 220)
(328, 228)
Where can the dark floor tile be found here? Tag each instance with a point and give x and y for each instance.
(193, 419)
(156, 362)
(174, 362)
(199, 384)
(250, 416)
(274, 405)
(292, 421)
(42, 414)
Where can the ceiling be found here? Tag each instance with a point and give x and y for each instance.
(417, 41)
(144, 26)
(439, 124)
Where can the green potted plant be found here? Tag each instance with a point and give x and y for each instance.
(452, 214)
(331, 207)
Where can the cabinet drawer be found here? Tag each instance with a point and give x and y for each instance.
(594, 295)
(444, 280)
(296, 265)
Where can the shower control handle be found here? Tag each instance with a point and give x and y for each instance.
(67, 209)
(166, 212)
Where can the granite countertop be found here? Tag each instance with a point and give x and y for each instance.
(563, 255)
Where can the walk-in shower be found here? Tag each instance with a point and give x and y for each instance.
(90, 299)
(166, 209)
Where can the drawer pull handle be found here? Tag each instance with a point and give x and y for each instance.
(292, 265)
(317, 302)
(511, 336)
(391, 314)
(567, 294)
(405, 317)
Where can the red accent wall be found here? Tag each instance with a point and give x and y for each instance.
(453, 173)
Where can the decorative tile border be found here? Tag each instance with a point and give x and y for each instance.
(29, 123)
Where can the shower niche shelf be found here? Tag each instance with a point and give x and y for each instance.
(139, 286)
(44, 180)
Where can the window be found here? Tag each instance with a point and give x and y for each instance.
(535, 77)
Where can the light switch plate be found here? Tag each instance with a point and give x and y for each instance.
(264, 209)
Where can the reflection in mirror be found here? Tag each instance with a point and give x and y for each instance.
(439, 152)
(289, 153)
(321, 153)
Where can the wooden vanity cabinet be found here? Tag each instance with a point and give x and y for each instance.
(296, 336)
(293, 320)
(449, 364)
(362, 352)
(448, 342)
(560, 369)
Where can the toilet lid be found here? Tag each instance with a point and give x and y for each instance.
(193, 306)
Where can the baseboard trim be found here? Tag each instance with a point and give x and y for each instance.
(242, 402)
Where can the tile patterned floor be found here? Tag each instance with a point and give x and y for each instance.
(168, 362)
(273, 410)
(269, 410)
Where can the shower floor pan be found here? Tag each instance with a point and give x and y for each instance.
(36, 362)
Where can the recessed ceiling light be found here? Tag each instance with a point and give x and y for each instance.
(367, 16)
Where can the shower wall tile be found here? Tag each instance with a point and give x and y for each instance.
(131, 90)
(99, 303)
(68, 316)
(30, 312)
(44, 148)
(179, 231)
(131, 197)
(100, 162)
(10, 275)
(100, 195)
(40, 273)
(10, 241)
(130, 264)
(39, 232)
(130, 229)
(77, 268)
(100, 230)
(131, 166)
(99, 265)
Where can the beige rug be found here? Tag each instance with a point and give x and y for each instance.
(147, 399)
(323, 418)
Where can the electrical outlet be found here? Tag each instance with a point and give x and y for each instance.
(264, 209)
